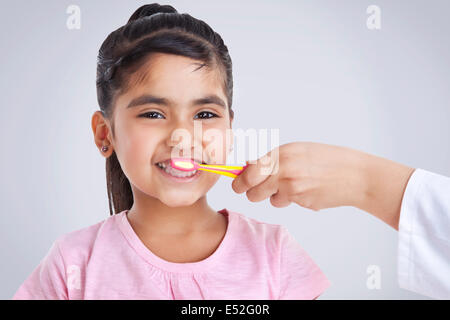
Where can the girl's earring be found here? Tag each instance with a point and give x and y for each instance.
(104, 148)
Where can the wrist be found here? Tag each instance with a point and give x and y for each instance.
(362, 170)
(383, 183)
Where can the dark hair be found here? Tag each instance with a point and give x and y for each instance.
(151, 28)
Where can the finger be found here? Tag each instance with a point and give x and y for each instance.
(263, 190)
(254, 174)
(297, 191)
(304, 200)
(280, 199)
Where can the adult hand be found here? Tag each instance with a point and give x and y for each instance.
(319, 176)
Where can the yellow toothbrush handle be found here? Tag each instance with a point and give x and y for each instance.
(225, 170)
(224, 173)
(220, 166)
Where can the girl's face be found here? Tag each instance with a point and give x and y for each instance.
(166, 97)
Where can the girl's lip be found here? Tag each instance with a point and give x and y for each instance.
(178, 179)
(167, 161)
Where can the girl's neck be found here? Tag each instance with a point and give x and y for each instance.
(156, 218)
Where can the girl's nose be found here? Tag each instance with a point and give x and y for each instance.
(186, 136)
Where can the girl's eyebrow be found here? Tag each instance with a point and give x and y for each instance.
(148, 99)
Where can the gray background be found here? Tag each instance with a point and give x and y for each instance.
(311, 68)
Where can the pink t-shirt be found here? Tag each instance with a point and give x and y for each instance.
(255, 260)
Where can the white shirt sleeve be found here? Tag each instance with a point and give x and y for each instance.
(424, 235)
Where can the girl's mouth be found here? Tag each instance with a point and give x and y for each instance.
(176, 175)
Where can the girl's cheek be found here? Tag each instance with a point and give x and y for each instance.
(140, 145)
(215, 146)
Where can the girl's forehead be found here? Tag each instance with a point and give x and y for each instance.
(170, 67)
(175, 77)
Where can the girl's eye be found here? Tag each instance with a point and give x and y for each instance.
(213, 115)
(203, 113)
(144, 115)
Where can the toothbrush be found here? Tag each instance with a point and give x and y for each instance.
(191, 165)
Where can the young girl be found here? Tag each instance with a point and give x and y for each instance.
(162, 72)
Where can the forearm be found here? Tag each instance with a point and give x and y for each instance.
(383, 185)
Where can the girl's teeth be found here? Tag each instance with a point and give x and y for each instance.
(176, 173)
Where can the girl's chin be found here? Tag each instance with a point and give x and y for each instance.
(180, 201)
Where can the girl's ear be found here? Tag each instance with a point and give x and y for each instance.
(101, 132)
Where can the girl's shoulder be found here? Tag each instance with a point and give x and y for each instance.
(81, 242)
(255, 230)
(254, 223)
